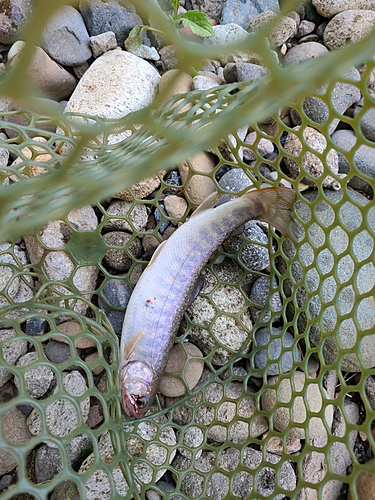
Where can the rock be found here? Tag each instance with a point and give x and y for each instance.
(36, 327)
(116, 293)
(212, 8)
(234, 180)
(283, 341)
(175, 206)
(262, 147)
(12, 351)
(305, 28)
(170, 58)
(111, 15)
(37, 379)
(365, 483)
(266, 478)
(130, 84)
(145, 52)
(225, 329)
(61, 415)
(311, 162)
(37, 106)
(44, 74)
(244, 12)
(349, 290)
(141, 189)
(255, 257)
(370, 391)
(65, 37)
(29, 153)
(225, 34)
(303, 52)
(175, 82)
(57, 352)
(4, 152)
(191, 371)
(201, 82)
(104, 42)
(14, 15)
(280, 32)
(332, 7)
(57, 265)
(367, 120)
(243, 72)
(348, 27)
(64, 490)
(198, 186)
(16, 433)
(132, 218)
(343, 96)
(74, 328)
(120, 259)
(364, 160)
(48, 463)
(260, 295)
(294, 408)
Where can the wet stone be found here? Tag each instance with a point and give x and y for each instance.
(117, 293)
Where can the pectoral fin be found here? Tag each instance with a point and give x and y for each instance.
(196, 289)
(130, 346)
(208, 203)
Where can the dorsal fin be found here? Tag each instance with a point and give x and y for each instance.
(207, 204)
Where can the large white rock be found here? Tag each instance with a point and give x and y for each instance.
(116, 84)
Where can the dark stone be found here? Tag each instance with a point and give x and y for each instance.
(57, 352)
(35, 327)
(101, 17)
(117, 293)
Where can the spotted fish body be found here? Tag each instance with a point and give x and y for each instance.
(168, 283)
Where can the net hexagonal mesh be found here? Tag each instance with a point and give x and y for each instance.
(285, 402)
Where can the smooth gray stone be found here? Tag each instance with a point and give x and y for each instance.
(242, 12)
(65, 37)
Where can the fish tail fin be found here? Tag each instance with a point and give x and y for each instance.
(274, 205)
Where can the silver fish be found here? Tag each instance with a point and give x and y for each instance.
(168, 285)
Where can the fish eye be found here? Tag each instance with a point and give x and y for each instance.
(142, 402)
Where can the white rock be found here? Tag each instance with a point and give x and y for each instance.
(102, 43)
(329, 8)
(116, 84)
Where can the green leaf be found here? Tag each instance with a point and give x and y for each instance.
(197, 22)
(134, 40)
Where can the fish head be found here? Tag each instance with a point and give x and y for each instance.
(137, 382)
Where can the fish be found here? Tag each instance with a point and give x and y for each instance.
(168, 285)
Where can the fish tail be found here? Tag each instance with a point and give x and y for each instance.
(274, 205)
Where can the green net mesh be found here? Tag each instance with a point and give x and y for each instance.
(241, 432)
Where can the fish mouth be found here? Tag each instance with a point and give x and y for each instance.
(130, 406)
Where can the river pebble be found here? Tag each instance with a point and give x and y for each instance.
(173, 386)
(104, 42)
(65, 37)
(116, 293)
(348, 27)
(242, 13)
(44, 74)
(311, 162)
(38, 379)
(273, 352)
(14, 15)
(101, 17)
